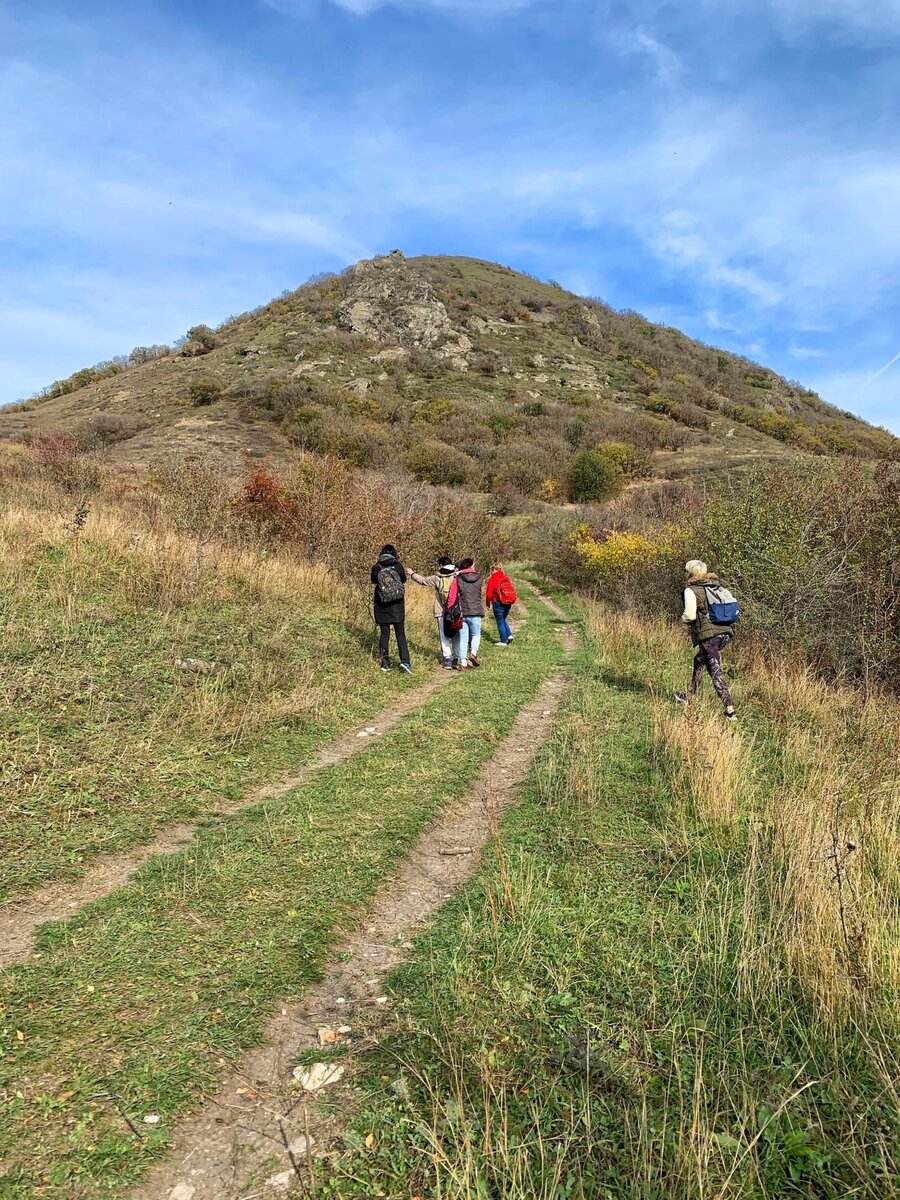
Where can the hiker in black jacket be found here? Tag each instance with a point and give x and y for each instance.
(389, 578)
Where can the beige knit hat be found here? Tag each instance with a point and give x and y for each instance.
(696, 567)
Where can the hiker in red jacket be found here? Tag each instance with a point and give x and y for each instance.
(501, 596)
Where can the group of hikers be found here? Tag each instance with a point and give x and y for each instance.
(459, 597)
(710, 611)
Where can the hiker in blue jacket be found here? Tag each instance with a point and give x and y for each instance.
(389, 607)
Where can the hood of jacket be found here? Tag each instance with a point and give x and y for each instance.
(709, 579)
(470, 575)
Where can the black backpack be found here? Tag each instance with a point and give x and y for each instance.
(390, 585)
(453, 616)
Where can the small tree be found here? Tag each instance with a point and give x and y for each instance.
(205, 391)
(594, 477)
(437, 462)
(634, 463)
(203, 336)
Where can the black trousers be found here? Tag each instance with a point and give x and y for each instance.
(384, 643)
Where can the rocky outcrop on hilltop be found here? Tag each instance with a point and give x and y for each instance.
(389, 302)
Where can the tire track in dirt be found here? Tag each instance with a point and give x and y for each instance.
(261, 1124)
(56, 901)
(20, 918)
(548, 602)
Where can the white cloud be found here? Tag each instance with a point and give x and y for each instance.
(804, 352)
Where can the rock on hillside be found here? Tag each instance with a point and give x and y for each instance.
(390, 303)
(453, 370)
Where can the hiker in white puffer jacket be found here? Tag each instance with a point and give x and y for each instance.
(440, 586)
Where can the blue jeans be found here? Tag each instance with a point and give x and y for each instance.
(501, 612)
(469, 638)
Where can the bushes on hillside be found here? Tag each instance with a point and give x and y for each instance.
(433, 461)
(632, 461)
(814, 553)
(60, 458)
(810, 548)
(331, 514)
(205, 391)
(200, 340)
(594, 477)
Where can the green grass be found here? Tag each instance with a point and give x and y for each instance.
(139, 1003)
(580, 1023)
(104, 739)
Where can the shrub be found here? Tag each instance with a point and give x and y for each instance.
(59, 458)
(202, 336)
(526, 466)
(105, 430)
(634, 463)
(640, 365)
(436, 462)
(145, 354)
(620, 565)
(80, 379)
(263, 503)
(432, 412)
(594, 477)
(363, 443)
(205, 391)
(500, 424)
(758, 381)
(657, 402)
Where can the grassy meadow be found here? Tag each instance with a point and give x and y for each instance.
(677, 974)
(138, 1004)
(104, 737)
(674, 976)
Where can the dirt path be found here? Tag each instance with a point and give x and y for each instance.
(548, 602)
(261, 1126)
(20, 918)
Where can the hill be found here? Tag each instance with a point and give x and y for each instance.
(453, 370)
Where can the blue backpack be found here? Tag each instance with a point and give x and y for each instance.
(723, 608)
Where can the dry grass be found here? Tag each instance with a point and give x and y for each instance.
(104, 734)
(821, 805)
(676, 979)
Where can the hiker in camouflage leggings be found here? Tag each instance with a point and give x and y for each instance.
(708, 638)
(709, 658)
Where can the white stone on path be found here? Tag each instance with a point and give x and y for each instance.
(317, 1075)
(282, 1181)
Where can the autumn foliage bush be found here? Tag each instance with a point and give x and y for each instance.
(329, 513)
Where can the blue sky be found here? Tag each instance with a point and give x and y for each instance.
(731, 167)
